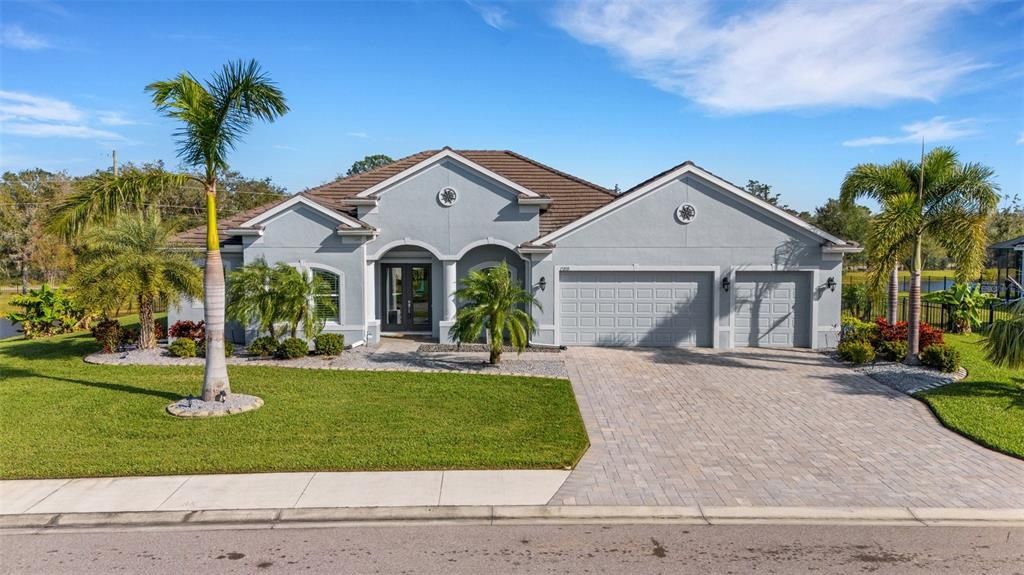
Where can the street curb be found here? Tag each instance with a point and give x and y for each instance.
(511, 515)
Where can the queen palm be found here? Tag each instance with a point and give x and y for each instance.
(214, 116)
(1004, 339)
(253, 298)
(134, 258)
(493, 302)
(941, 197)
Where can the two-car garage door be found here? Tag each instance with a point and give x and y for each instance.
(675, 309)
(635, 308)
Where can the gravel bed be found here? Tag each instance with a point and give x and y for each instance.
(908, 379)
(195, 407)
(361, 358)
(478, 348)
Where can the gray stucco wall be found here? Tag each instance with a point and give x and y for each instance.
(193, 310)
(303, 236)
(728, 233)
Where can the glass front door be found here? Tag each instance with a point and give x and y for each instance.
(406, 297)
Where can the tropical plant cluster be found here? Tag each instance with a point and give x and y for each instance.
(114, 337)
(494, 304)
(194, 331)
(47, 311)
(863, 342)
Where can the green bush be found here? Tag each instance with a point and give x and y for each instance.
(265, 346)
(857, 331)
(45, 312)
(292, 348)
(182, 347)
(857, 352)
(229, 348)
(941, 357)
(329, 343)
(108, 333)
(892, 350)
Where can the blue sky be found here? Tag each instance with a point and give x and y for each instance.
(791, 93)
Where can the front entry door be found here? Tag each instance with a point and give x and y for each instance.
(406, 297)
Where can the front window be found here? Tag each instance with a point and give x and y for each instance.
(327, 301)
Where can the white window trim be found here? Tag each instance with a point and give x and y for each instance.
(307, 270)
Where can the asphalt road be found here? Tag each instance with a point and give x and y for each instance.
(454, 549)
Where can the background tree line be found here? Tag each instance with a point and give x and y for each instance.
(30, 250)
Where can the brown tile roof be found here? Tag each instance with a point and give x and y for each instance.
(572, 197)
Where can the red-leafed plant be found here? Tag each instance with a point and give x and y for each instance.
(928, 334)
(188, 329)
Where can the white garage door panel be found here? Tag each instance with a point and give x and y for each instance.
(772, 309)
(658, 309)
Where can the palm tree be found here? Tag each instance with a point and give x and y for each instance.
(252, 297)
(297, 294)
(102, 196)
(133, 258)
(951, 202)
(494, 302)
(1004, 341)
(214, 117)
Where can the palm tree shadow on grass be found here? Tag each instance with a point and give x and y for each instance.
(49, 348)
(119, 387)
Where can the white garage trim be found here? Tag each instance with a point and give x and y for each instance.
(715, 289)
(812, 288)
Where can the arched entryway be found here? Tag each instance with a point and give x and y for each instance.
(409, 294)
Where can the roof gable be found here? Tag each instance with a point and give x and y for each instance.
(688, 167)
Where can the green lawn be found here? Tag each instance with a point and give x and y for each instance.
(987, 406)
(64, 418)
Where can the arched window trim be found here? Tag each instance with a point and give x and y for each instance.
(309, 268)
(513, 271)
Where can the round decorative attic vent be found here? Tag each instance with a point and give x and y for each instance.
(447, 196)
(686, 213)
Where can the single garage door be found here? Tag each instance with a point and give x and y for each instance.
(620, 308)
(772, 309)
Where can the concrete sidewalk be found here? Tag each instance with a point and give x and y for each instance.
(279, 491)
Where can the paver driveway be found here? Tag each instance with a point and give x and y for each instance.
(766, 427)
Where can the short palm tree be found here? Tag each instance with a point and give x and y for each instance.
(214, 116)
(134, 258)
(252, 297)
(1004, 340)
(297, 293)
(493, 302)
(952, 202)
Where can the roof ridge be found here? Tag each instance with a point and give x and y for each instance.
(556, 171)
(367, 173)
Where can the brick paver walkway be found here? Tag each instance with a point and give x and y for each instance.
(767, 427)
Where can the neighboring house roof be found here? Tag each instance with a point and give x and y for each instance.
(688, 167)
(1014, 244)
(571, 197)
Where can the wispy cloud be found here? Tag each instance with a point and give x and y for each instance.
(783, 55)
(34, 116)
(284, 147)
(937, 129)
(1020, 139)
(14, 36)
(357, 134)
(494, 15)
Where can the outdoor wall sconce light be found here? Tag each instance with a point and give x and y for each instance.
(726, 282)
(831, 284)
(543, 283)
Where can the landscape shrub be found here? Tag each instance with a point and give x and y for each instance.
(182, 347)
(941, 357)
(855, 330)
(857, 352)
(928, 334)
(292, 348)
(329, 343)
(229, 348)
(129, 336)
(194, 330)
(108, 333)
(263, 346)
(893, 350)
(47, 311)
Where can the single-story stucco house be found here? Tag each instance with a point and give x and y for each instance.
(682, 259)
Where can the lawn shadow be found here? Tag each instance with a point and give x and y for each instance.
(57, 347)
(119, 387)
(1013, 390)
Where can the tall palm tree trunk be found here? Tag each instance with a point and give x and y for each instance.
(894, 294)
(147, 336)
(914, 323)
(216, 376)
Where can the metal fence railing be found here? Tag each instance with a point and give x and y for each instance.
(938, 315)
